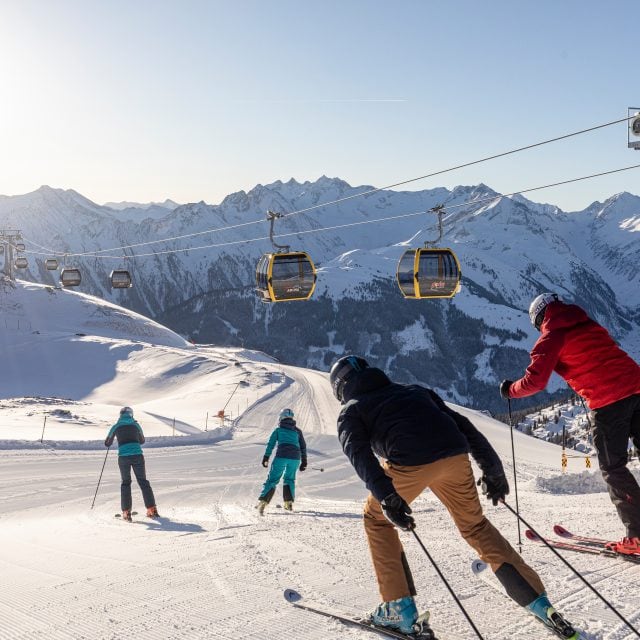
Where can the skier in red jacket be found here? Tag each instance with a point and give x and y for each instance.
(586, 356)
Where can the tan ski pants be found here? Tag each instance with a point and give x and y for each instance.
(452, 481)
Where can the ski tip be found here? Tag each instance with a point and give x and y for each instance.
(559, 530)
(478, 566)
(291, 595)
(531, 535)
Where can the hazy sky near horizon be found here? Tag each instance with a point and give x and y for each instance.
(193, 100)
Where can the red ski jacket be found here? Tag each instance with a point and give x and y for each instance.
(584, 354)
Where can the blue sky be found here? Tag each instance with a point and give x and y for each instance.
(194, 100)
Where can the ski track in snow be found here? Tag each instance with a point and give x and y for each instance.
(211, 567)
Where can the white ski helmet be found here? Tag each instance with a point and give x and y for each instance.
(537, 307)
(126, 411)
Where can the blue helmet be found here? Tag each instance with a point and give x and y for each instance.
(286, 413)
(342, 370)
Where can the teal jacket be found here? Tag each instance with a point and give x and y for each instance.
(290, 441)
(129, 435)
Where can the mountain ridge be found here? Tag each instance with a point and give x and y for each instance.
(510, 249)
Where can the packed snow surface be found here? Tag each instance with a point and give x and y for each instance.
(211, 567)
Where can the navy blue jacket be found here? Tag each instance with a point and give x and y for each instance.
(406, 425)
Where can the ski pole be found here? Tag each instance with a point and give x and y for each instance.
(317, 468)
(526, 524)
(515, 478)
(446, 583)
(100, 478)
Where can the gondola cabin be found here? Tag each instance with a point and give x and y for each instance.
(20, 246)
(285, 276)
(120, 279)
(51, 264)
(21, 263)
(429, 273)
(70, 277)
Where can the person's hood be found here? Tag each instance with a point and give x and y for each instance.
(287, 423)
(365, 381)
(559, 315)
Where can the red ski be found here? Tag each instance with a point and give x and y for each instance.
(559, 530)
(583, 548)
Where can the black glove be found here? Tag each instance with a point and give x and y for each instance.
(265, 461)
(494, 487)
(397, 511)
(505, 385)
(303, 464)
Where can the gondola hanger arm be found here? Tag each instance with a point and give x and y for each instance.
(438, 209)
(280, 248)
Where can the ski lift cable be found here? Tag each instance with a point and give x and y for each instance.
(351, 197)
(461, 166)
(448, 208)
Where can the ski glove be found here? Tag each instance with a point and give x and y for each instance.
(397, 511)
(265, 461)
(494, 487)
(505, 385)
(303, 464)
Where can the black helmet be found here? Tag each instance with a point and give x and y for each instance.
(342, 370)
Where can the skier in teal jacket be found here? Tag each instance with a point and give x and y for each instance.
(129, 435)
(291, 454)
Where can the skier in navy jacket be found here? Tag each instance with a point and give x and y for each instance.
(424, 444)
(291, 455)
(129, 435)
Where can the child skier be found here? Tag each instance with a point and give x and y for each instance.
(291, 454)
(129, 435)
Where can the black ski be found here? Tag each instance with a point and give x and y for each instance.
(293, 597)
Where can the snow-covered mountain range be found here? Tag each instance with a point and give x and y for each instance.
(510, 249)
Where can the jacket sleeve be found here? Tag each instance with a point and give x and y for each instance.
(303, 446)
(110, 436)
(481, 450)
(141, 439)
(272, 443)
(544, 357)
(356, 445)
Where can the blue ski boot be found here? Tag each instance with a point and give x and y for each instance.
(400, 615)
(542, 609)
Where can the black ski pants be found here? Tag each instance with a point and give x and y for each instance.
(126, 463)
(614, 425)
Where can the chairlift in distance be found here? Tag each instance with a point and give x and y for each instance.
(430, 271)
(70, 276)
(284, 275)
(51, 264)
(120, 279)
(21, 263)
(634, 129)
